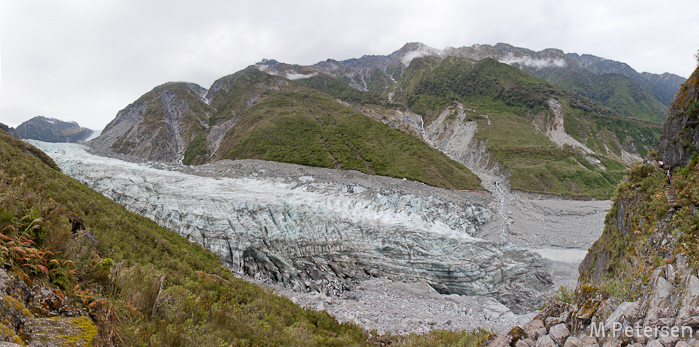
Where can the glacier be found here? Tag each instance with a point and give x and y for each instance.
(323, 230)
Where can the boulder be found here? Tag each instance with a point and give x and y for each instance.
(559, 333)
(658, 300)
(546, 341)
(501, 341)
(573, 341)
(531, 329)
(626, 311)
(688, 314)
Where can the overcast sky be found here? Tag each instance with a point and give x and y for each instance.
(86, 60)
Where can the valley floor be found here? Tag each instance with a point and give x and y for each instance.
(559, 230)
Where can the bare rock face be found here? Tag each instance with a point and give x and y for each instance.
(680, 136)
(158, 126)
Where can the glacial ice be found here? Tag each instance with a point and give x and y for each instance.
(321, 235)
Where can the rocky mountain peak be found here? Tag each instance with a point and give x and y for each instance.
(271, 64)
(413, 46)
(159, 125)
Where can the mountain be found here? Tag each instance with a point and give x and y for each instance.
(497, 120)
(638, 283)
(159, 125)
(255, 115)
(613, 137)
(548, 139)
(50, 130)
(660, 87)
(613, 84)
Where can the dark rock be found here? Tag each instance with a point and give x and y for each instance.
(517, 334)
(680, 137)
(75, 221)
(51, 130)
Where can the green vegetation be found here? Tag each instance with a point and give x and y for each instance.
(235, 92)
(518, 114)
(617, 92)
(337, 89)
(430, 85)
(197, 152)
(301, 126)
(649, 223)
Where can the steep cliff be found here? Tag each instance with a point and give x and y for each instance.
(680, 136)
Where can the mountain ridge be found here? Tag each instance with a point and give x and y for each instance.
(375, 86)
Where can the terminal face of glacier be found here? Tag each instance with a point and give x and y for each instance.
(319, 229)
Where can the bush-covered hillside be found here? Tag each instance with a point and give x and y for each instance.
(651, 221)
(516, 106)
(302, 126)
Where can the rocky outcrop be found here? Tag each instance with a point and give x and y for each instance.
(40, 316)
(158, 126)
(50, 130)
(680, 137)
(666, 314)
(314, 229)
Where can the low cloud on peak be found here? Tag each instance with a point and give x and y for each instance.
(533, 62)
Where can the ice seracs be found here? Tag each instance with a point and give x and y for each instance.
(270, 221)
